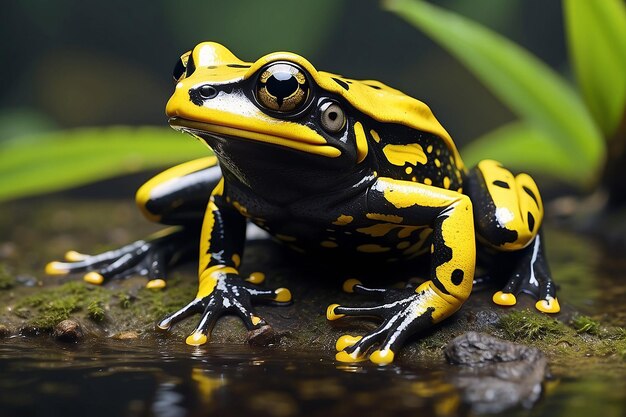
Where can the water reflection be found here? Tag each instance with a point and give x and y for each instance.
(162, 379)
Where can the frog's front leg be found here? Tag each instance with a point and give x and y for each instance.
(221, 289)
(177, 196)
(508, 215)
(453, 256)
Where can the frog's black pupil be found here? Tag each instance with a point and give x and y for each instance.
(206, 91)
(332, 116)
(281, 85)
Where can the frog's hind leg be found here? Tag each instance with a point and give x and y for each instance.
(508, 212)
(177, 196)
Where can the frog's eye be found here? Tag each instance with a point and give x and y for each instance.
(182, 68)
(332, 117)
(282, 87)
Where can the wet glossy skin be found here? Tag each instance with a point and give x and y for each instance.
(330, 165)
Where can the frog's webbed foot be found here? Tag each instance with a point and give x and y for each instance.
(404, 312)
(531, 275)
(150, 257)
(223, 291)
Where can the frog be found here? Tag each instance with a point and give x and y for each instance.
(330, 167)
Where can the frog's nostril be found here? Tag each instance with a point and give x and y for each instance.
(207, 92)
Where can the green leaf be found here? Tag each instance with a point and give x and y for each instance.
(65, 159)
(522, 147)
(596, 33)
(529, 87)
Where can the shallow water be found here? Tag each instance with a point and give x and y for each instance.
(164, 378)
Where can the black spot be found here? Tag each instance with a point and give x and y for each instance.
(195, 98)
(375, 87)
(501, 184)
(531, 222)
(238, 65)
(212, 66)
(457, 277)
(342, 83)
(531, 194)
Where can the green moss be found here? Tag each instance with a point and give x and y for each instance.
(6, 280)
(585, 324)
(95, 311)
(48, 307)
(528, 326)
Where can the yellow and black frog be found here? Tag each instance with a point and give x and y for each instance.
(327, 165)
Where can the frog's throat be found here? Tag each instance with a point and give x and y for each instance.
(309, 145)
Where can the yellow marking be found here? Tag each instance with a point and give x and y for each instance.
(361, 142)
(391, 218)
(93, 278)
(210, 277)
(375, 135)
(156, 284)
(346, 357)
(446, 183)
(408, 170)
(429, 149)
(286, 238)
(219, 188)
(372, 248)
(256, 278)
(346, 341)
(236, 260)
(56, 268)
(286, 134)
(549, 305)
(348, 285)
(255, 320)
(504, 299)
(437, 163)
(144, 192)
(330, 312)
(342, 220)
(283, 295)
(73, 256)
(401, 155)
(414, 179)
(297, 249)
(382, 357)
(428, 181)
(329, 244)
(381, 229)
(196, 339)
(403, 245)
(241, 209)
(205, 236)
(418, 247)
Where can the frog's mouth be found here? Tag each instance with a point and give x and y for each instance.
(309, 145)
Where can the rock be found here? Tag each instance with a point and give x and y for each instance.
(263, 336)
(495, 374)
(69, 331)
(4, 331)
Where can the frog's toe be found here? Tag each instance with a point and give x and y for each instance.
(190, 309)
(548, 305)
(156, 284)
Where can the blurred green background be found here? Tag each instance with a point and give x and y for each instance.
(75, 64)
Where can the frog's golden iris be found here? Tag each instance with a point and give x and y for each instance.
(282, 87)
(328, 166)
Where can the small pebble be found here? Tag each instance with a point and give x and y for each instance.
(125, 336)
(68, 331)
(263, 336)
